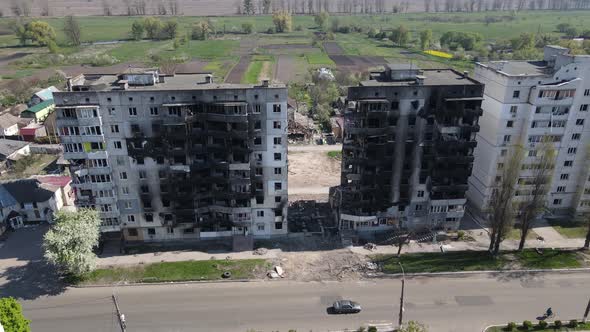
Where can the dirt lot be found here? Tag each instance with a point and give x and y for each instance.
(312, 171)
(333, 48)
(341, 264)
(358, 63)
(237, 72)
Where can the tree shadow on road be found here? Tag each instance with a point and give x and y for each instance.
(525, 277)
(28, 282)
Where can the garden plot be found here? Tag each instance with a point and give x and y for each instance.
(358, 63)
(238, 71)
(333, 48)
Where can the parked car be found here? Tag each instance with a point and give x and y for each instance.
(346, 307)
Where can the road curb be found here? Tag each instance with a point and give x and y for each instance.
(163, 283)
(460, 273)
(548, 322)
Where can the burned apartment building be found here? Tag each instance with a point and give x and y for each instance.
(409, 137)
(177, 157)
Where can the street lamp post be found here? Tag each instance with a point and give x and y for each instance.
(401, 299)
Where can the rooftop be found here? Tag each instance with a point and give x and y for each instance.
(41, 106)
(7, 120)
(429, 77)
(519, 68)
(29, 190)
(8, 146)
(191, 81)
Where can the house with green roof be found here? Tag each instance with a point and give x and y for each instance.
(40, 111)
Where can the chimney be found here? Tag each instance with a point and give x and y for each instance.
(208, 78)
(69, 83)
(265, 83)
(420, 79)
(466, 73)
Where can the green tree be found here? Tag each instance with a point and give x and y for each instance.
(169, 30)
(282, 21)
(467, 40)
(72, 30)
(523, 42)
(400, 36)
(321, 20)
(247, 28)
(11, 316)
(40, 32)
(152, 27)
(562, 27)
(425, 38)
(137, 30)
(571, 32)
(20, 30)
(201, 30)
(69, 243)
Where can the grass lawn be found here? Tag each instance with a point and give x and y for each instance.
(478, 260)
(549, 328)
(335, 154)
(177, 271)
(220, 68)
(570, 229)
(319, 59)
(260, 64)
(34, 164)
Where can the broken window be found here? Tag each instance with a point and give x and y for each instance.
(132, 231)
(278, 185)
(277, 199)
(276, 108)
(278, 170)
(277, 156)
(257, 140)
(151, 231)
(276, 124)
(260, 213)
(278, 225)
(132, 111)
(277, 140)
(259, 199)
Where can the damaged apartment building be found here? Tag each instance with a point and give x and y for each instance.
(177, 157)
(409, 137)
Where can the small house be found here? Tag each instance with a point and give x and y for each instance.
(40, 111)
(32, 131)
(8, 125)
(42, 95)
(11, 151)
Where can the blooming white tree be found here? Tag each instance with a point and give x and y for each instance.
(69, 243)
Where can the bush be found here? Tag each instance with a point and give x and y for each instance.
(248, 28)
(573, 323)
(299, 28)
(558, 324)
(270, 31)
(372, 329)
(527, 325)
(511, 326)
(460, 235)
(543, 324)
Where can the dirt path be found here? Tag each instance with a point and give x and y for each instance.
(238, 71)
(266, 72)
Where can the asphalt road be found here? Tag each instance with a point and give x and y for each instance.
(444, 304)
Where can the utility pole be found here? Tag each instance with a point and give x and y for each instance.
(120, 316)
(586, 312)
(401, 299)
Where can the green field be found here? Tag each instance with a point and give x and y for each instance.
(176, 271)
(117, 27)
(228, 42)
(256, 67)
(479, 261)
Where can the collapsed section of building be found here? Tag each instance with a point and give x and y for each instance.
(407, 154)
(172, 157)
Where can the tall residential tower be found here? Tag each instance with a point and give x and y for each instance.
(525, 103)
(172, 157)
(409, 137)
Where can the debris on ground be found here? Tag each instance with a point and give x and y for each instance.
(370, 246)
(260, 251)
(279, 270)
(341, 264)
(371, 266)
(273, 275)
